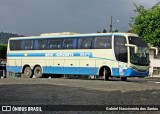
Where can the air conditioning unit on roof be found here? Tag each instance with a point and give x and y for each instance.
(59, 33)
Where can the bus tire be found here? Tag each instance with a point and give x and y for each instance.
(27, 72)
(105, 72)
(38, 72)
(124, 78)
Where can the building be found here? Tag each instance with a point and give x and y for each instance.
(155, 64)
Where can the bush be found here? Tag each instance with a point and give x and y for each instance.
(3, 51)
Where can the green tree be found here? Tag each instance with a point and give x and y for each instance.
(116, 30)
(3, 51)
(147, 24)
(104, 31)
(4, 36)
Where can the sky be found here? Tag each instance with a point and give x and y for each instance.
(34, 17)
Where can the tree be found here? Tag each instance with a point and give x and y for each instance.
(104, 31)
(116, 30)
(3, 51)
(147, 24)
(4, 36)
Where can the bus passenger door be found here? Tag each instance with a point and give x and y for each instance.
(121, 53)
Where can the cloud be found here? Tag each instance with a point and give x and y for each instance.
(33, 17)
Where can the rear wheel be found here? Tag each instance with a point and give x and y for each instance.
(124, 78)
(27, 72)
(38, 72)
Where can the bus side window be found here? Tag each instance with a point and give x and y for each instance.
(55, 43)
(102, 42)
(42, 44)
(69, 43)
(84, 43)
(36, 45)
(16, 45)
(28, 44)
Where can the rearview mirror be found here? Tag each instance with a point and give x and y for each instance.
(154, 48)
(135, 47)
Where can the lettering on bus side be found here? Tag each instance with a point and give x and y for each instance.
(85, 54)
(81, 54)
(58, 54)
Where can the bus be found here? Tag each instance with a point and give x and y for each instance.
(102, 55)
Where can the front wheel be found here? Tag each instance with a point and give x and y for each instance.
(38, 72)
(106, 74)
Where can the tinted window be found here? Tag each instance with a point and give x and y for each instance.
(120, 48)
(102, 42)
(69, 43)
(55, 43)
(27, 44)
(137, 41)
(15, 44)
(41, 44)
(84, 43)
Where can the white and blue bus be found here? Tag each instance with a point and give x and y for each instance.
(97, 54)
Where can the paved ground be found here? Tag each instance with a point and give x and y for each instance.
(137, 91)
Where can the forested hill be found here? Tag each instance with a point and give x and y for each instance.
(4, 36)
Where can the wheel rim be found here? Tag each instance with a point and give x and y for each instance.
(28, 72)
(38, 72)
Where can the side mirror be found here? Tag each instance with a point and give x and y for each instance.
(154, 48)
(135, 47)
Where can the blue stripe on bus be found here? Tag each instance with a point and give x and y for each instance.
(50, 54)
(129, 72)
(71, 70)
(26, 55)
(60, 70)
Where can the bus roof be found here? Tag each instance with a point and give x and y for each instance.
(72, 34)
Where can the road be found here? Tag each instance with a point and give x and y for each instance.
(135, 91)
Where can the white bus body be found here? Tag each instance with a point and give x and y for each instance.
(98, 54)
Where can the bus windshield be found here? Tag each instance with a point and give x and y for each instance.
(142, 56)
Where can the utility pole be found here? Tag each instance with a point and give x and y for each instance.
(111, 24)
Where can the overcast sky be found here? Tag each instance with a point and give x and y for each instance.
(33, 17)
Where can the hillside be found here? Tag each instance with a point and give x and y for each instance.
(4, 36)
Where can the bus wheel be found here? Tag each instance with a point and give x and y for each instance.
(27, 72)
(124, 78)
(38, 72)
(106, 74)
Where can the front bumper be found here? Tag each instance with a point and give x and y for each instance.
(128, 72)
